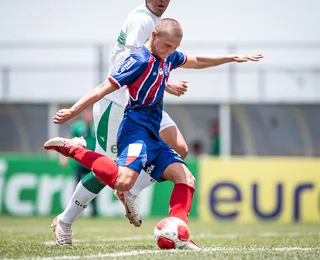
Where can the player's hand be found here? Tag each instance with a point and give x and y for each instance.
(177, 88)
(62, 116)
(245, 58)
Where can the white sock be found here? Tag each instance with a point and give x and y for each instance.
(144, 180)
(77, 204)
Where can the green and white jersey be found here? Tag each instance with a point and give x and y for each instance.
(135, 31)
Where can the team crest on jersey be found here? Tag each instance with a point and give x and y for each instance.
(126, 65)
(114, 149)
(166, 69)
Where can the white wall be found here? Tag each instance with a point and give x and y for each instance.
(203, 20)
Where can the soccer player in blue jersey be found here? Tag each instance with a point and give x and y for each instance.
(145, 74)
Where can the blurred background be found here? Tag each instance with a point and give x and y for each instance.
(252, 129)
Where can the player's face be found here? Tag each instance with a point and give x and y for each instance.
(158, 7)
(165, 45)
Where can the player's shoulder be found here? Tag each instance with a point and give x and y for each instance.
(140, 15)
(175, 55)
(142, 55)
(139, 59)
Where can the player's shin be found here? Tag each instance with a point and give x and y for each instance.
(77, 204)
(181, 201)
(104, 168)
(144, 180)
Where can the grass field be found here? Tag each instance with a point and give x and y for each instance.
(30, 238)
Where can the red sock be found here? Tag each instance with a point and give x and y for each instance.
(102, 166)
(181, 201)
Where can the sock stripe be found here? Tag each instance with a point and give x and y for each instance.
(91, 183)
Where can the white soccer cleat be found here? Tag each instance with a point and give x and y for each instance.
(65, 145)
(192, 246)
(129, 202)
(62, 232)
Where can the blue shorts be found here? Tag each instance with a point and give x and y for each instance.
(139, 148)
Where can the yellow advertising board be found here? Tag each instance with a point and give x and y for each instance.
(260, 189)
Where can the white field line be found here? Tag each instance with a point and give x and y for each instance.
(208, 249)
(45, 229)
(213, 236)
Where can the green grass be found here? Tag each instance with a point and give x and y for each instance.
(29, 238)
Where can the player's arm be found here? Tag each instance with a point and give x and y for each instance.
(128, 72)
(206, 61)
(89, 99)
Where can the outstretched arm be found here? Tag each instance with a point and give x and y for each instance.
(90, 98)
(206, 61)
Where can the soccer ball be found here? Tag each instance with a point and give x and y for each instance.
(171, 233)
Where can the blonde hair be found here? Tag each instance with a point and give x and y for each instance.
(169, 26)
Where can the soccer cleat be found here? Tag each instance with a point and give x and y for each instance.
(65, 145)
(129, 202)
(192, 246)
(62, 232)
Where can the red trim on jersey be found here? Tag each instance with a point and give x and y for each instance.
(114, 81)
(138, 84)
(185, 60)
(130, 159)
(153, 90)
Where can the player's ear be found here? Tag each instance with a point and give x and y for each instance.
(154, 34)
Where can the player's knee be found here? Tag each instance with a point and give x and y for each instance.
(124, 185)
(127, 186)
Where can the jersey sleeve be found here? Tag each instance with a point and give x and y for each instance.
(177, 59)
(139, 30)
(129, 71)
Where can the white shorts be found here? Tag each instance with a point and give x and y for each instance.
(107, 117)
(166, 121)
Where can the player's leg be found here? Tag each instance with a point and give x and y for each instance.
(131, 155)
(107, 117)
(172, 136)
(106, 169)
(93, 202)
(169, 166)
(81, 173)
(182, 193)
